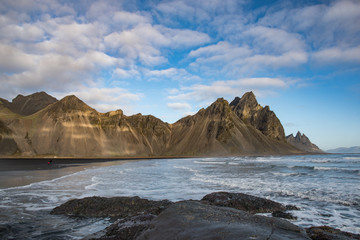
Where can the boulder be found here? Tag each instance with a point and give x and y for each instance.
(329, 233)
(115, 207)
(195, 220)
(243, 202)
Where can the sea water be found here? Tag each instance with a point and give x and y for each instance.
(325, 187)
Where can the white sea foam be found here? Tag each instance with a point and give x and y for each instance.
(325, 188)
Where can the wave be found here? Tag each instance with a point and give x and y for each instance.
(208, 162)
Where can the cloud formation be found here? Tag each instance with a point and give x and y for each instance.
(122, 49)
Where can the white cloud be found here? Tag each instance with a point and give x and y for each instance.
(175, 74)
(128, 19)
(273, 40)
(337, 55)
(229, 89)
(108, 99)
(14, 60)
(182, 106)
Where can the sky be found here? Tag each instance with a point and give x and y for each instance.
(169, 58)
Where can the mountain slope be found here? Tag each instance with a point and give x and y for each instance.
(302, 142)
(70, 128)
(217, 130)
(27, 105)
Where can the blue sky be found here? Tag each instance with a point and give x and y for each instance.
(171, 58)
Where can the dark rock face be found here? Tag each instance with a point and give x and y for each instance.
(194, 220)
(145, 219)
(302, 142)
(27, 105)
(328, 233)
(285, 215)
(120, 207)
(262, 118)
(243, 202)
(125, 229)
(8, 145)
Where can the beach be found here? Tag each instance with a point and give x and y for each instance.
(15, 172)
(324, 187)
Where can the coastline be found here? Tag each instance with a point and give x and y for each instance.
(21, 172)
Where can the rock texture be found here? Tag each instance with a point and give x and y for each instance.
(194, 220)
(217, 216)
(70, 128)
(115, 207)
(262, 118)
(243, 202)
(302, 142)
(144, 219)
(8, 145)
(329, 233)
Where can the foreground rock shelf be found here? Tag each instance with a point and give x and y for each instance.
(219, 215)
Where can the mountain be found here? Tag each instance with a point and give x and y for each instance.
(27, 105)
(355, 149)
(71, 128)
(302, 142)
(262, 118)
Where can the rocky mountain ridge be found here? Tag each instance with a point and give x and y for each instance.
(301, 141)
(27, 105)
(71, 128)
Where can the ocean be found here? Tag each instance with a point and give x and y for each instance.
(325, 187)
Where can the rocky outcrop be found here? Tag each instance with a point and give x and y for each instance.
(144, 219)
(27, 105)
(329, 233)
(194, 220)
(262, 118)
(217, 216)
(70, 128)
(302, 142)
(243, 202)
(115, 207)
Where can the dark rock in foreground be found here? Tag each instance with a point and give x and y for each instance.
(120, 207)
(328, 233)
(194, 220)
(218, 215)
(243, 202)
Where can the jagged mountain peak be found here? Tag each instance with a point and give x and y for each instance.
(302, 142)
(220, 106)
(262, 118)
(68, 104)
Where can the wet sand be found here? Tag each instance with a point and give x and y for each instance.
(21, 172)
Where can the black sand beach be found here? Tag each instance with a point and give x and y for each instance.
(16, 172)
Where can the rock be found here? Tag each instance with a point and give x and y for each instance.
(115, 207)
(243, 202)
(329, 233)
(281, 214)
(195, 220)
(262, 118)
(124, 229)
(302, 142)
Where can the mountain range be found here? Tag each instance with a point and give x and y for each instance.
(355, 149)
(40, 125)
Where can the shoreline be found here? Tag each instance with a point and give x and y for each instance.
(22, 172)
